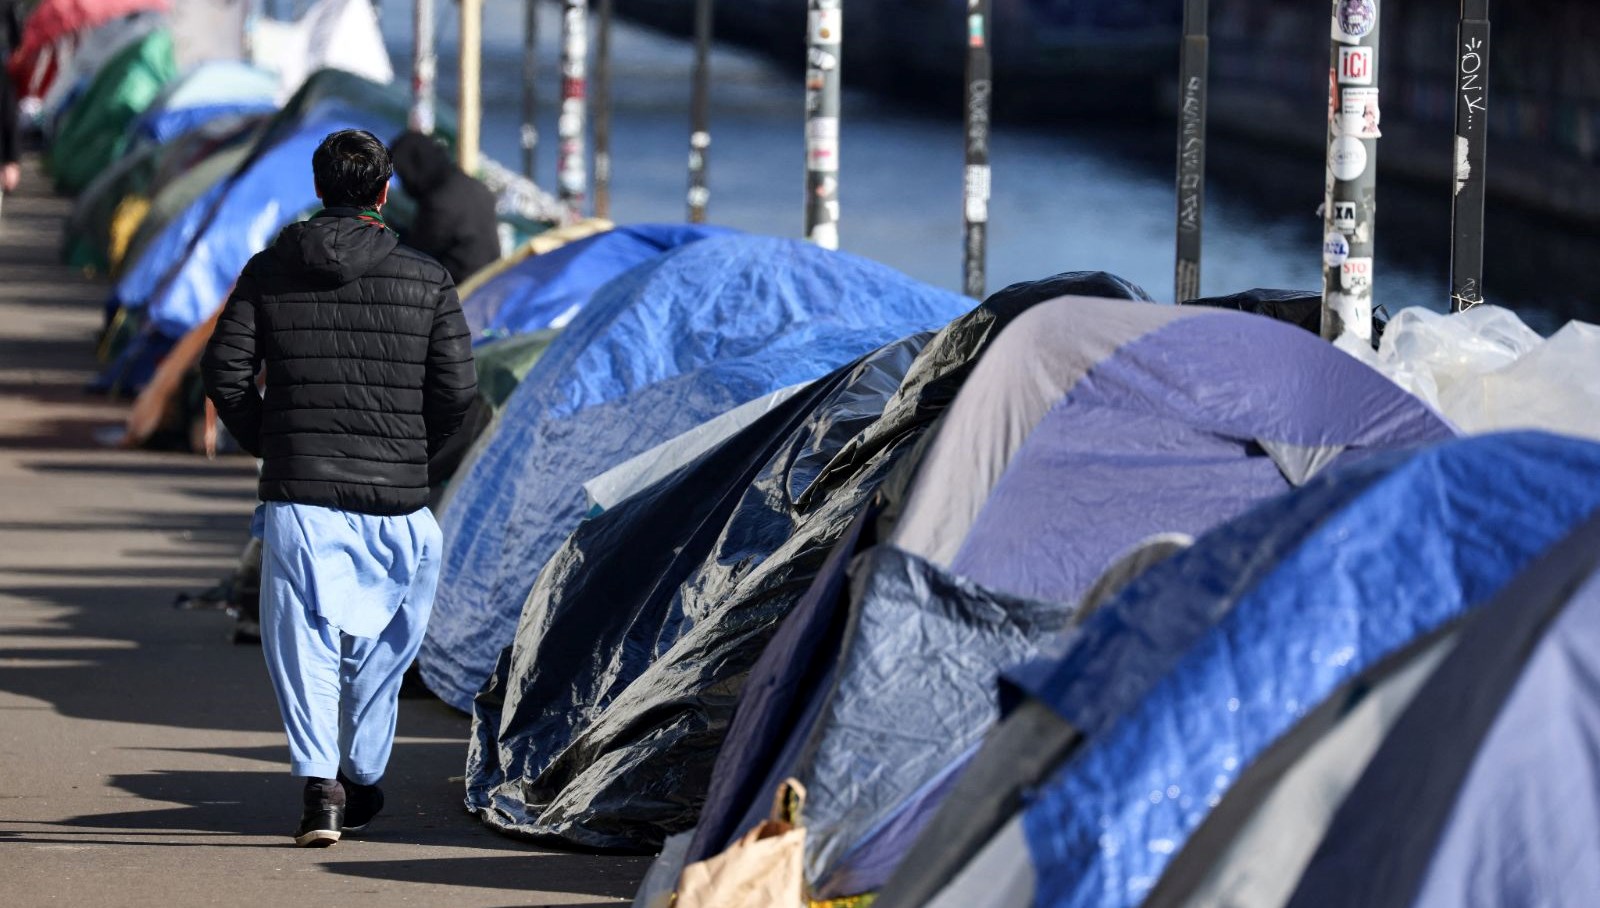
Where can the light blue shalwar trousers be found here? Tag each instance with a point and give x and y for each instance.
(345, 598)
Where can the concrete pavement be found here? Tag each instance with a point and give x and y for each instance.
(141, 761)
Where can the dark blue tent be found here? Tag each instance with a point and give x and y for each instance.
(1215, 710)
(543, 291)
(659, 350)
(1089, 429)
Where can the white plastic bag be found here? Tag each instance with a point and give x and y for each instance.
(1486, 371)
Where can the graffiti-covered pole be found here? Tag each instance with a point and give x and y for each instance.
(602, 115)
(1350, 204)
(471, 105)
(423, 64)
(1472, 135)
(571, 175)
(700, 115)
(530, 84)
(975, 185)
(1193, 62)
(824, 25)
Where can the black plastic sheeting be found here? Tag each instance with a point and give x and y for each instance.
(601, 723)
(1302, 308)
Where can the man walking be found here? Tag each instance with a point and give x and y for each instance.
(368, 371)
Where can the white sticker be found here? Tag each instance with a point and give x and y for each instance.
(977, 193)
(1354, 20)
(1355, 66)
(822, 144)
(1463, 164)
(1355, 313)
(1344, 215)
(1359, 114)
(825, 235)
(825, 26)
(1355, 275)
(1347, 157)
(1335, 250)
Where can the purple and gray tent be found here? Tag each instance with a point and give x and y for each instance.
(1376, 690)
(1091, 431)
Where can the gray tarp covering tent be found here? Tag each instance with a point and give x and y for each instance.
(600, 726)
(1091, 427)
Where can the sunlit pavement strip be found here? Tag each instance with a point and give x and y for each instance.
(141, 761)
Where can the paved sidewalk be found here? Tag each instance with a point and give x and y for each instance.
(141, 761)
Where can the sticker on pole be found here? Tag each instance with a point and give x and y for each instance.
(1347, 157)
(1355, 66)
(825, 26)
(977, 193)
(1359, 114)
(1335, 250)
(1354, 20)
(1355, 276)
(822, 144)
(1344, 215)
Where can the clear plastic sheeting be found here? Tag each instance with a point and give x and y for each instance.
(664, 347)
(1486, 371)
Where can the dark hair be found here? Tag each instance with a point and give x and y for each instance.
(351, 168)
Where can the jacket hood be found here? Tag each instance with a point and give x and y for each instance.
(422, 164)
(337, 245)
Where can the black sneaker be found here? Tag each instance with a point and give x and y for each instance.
(323, 816)
(362, 804)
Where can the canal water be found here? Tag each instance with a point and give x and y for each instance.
(1070, 195)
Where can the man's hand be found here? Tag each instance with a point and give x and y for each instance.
(10, 176)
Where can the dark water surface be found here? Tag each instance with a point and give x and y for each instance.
(1067, 195)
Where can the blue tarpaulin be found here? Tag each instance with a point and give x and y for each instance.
(659, 350)
(1182, 682)
(545, 290)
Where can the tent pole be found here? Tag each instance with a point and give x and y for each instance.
(975, 189)
(602, 115)
(1472, 136)
(700, 115)
(1192, 84)
(824, 48)
(470, 89)
(423, 63)
(1350, 203)
(571, 175)
(530, 84)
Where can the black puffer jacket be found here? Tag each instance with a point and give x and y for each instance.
(455, 220)
(368, 359)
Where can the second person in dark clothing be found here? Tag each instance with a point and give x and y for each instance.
(455, 221)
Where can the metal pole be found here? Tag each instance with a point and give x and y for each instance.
(571, 175)
(700, 114)
(602, 116)
(823, 51)
(471, 70)
(975, 190)
(1350, 205)
(530, 85)
(1472, 136)
(423, 64)
(1192, 79)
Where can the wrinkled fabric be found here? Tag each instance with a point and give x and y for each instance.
(1487, 791)
(1183, 680)
(666, 346)
(344, 600)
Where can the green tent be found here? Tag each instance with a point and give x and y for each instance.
(502, 364)
(92, 134)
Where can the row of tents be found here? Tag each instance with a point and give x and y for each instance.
(181, 171)
(829, 586)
